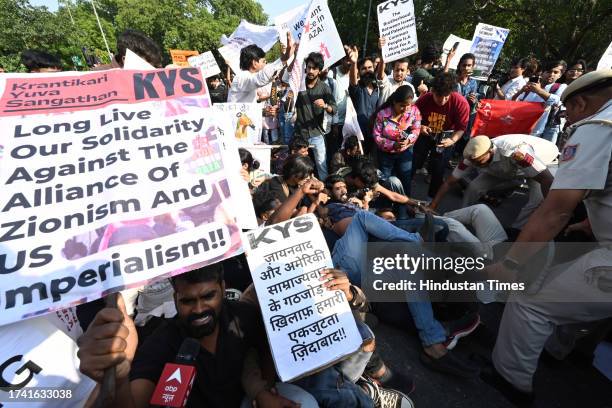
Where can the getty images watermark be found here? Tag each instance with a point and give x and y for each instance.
(461, 272)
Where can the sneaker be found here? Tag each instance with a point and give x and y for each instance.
(395, 380)
(451, 363)
(423, 171)
(384, 397)
(459, 328)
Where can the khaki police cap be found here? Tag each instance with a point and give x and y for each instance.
(476, 147)
(587, 81)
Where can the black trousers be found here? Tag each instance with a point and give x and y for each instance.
(424, 147)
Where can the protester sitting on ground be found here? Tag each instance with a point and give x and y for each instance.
(397, 124)
(255, 73)
(296, 171)
(234, 364)
(503, 162)
(358, 377)
(297, 146)
(256, 175)
(516, 80)
(265, 204)
(346, 156)
(37, 61)
(356, 226)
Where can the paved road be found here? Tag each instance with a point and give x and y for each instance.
(569, 383)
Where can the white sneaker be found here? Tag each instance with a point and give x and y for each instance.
(384, 397)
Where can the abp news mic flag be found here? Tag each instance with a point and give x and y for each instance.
(500, 117)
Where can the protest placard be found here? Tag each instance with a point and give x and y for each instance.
(206, 62)
(308, 325)
(487, 44)
(179, 57)
(134, 61)
(292, 21)
(109, 179)
(246, 121)
(351, 124)
(320, 35)
(463, 48)
(246, 34)
(40, 356)
(397, 24)
(605, 62)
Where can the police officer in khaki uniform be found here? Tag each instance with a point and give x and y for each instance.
(580, 290)
(503, 162)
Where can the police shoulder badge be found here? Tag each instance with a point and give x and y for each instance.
(569, 152)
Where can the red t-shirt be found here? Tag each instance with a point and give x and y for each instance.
(453, 115)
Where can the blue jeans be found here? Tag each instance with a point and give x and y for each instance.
(318, 143)
(349, 254)
(550, 133)
(398, 163)
(413, 224)
(287, 127)
(349, 251)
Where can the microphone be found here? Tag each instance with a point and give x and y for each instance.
(176, 380)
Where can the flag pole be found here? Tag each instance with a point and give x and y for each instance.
(110, 55)
(365, 40)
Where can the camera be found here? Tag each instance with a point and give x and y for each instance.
(360, 194)
(535, 79)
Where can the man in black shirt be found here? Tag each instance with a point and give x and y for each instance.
(230, 334)
(311, 106)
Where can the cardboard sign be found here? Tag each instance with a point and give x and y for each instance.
(206, 62)
(397, 24)
(308, 325)
(179, 57)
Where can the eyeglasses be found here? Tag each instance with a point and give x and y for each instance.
(575, 70)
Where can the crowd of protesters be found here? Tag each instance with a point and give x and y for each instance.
(415, 118)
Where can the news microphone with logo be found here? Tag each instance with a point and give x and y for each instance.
(177, 378)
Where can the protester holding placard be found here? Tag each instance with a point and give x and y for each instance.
(255, 73)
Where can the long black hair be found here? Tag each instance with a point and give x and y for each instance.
(401, 94)
(247, 158)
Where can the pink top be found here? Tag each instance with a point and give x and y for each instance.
(388, 133)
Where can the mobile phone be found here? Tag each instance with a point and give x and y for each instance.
(455, 45)
(534, 79)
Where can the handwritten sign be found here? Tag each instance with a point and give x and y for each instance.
(308, 325)
(292, 21)
(206, 62)
(246, 121)
(179, 57)
(487, 44)
(397, 24)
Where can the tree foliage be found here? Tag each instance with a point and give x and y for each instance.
(548, 29)
(181, 24)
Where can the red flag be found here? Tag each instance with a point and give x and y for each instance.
(495, 118)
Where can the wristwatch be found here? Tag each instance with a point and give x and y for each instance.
(511, 264)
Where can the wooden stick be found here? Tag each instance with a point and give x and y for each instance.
(107, 390)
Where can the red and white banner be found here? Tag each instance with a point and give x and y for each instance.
(496, 118)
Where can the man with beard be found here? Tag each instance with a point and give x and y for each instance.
(311, 106)
(231, 336)
(503, 162)
(365, 94)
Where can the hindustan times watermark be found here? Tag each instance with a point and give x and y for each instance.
(462, 272)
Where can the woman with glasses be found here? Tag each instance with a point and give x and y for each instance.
(574, 71)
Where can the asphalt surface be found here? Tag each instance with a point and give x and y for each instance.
(572, 382)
